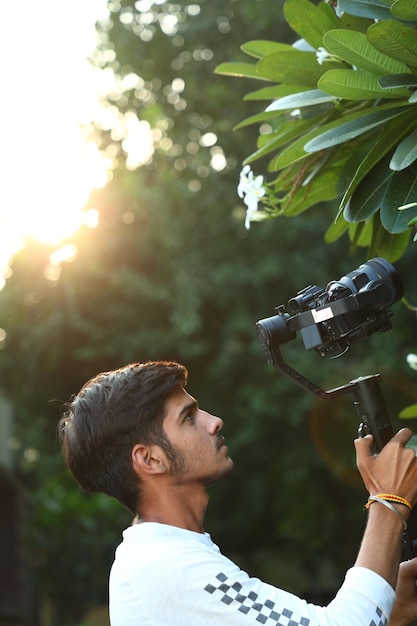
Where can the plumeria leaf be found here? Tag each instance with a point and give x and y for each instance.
(389, 246)
(287, 132)
(308, 21)
(297, 150)
(375, 10)
(355, 23)
(353, 85)
(261, 48)
(402, 190)
(256, 119)
(246, 70)
(293, 67)
(398, 80)
(274, 91)
(404, 9)
(354, 48)
(346, 130)
(323, 188)
(406, 152)
(299, 100)
(336, 230)
(397, 40)
(369, 195)
(360, 233)
(389, 136)
(409, 412)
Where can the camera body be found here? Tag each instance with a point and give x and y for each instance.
(330, 320)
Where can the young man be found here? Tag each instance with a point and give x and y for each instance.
(139, 436)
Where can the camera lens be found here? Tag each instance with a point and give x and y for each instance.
(377, 275)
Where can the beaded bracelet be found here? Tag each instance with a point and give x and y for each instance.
(388, 505)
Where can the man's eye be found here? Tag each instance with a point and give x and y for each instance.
(189, 417)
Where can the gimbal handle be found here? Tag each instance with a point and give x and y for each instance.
(369, 403)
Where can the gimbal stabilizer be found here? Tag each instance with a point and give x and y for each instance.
(330, 321)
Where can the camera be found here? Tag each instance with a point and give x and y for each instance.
(330, 320)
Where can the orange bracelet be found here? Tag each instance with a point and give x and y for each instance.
(390, 498)
(389, 505)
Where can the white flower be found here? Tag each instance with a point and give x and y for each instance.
(412, 361)
(322, 55)
(251, 189)
(245, 180)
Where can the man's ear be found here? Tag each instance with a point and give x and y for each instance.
(149, 459)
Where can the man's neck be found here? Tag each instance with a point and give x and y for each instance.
(184, 508)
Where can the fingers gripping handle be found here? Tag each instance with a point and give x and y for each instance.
(370, 406)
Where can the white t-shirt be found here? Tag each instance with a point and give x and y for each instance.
(168, 576)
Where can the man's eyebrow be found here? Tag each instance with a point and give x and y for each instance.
(187, 407)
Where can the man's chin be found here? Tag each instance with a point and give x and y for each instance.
(225, 471)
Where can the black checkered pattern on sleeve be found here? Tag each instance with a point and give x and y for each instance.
(266, 612)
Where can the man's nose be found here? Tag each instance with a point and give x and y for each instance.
(214, 424)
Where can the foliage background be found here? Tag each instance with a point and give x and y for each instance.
(341, 123)
(170, 272)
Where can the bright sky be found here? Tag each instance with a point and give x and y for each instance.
(47, 90)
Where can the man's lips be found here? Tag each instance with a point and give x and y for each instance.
(221, 442)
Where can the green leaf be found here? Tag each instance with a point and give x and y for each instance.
(295, 151)
(346, 130)
(323, 188)
(294, 68)
(404, 9)
(328, 10)
(308, 21)
(287, 132)
(246, 70)
(352, 22)
(299, 100)
(352, 85)
(394, 39)
(406, 152)
(354, 48)
(398, 80)
(260, 48)
(336, 230)
(256, 119)
(390, 247)
(375, 10)
(360, 233)
(401, 190)
(409, 412)
(386, 140)
(369, 195)
(274, 91)
(413, 97)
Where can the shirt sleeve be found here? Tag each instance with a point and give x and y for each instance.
(365, 599)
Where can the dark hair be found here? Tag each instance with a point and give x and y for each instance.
(112, 412)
